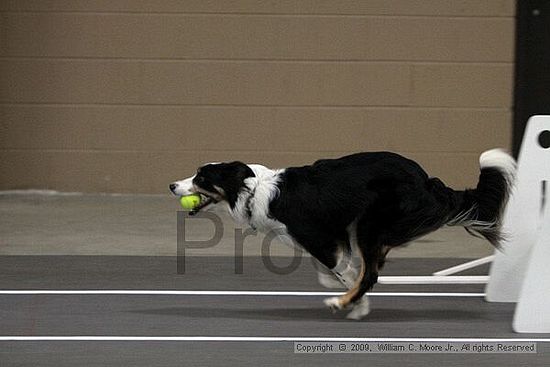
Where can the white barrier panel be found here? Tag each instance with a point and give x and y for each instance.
(523, 216)
(533, 308)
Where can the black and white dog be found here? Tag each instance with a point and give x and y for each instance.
(361, 205)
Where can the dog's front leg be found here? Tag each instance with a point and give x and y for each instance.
(346, 273)
(328, 280)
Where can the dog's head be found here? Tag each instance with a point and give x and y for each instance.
(215, 182)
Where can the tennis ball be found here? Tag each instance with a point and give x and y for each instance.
(190, 202)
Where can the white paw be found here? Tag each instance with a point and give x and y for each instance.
(333, 303)
(329, 280)
(360, 309)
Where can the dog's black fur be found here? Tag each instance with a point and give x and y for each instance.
(389, 199)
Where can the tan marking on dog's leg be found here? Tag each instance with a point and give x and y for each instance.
(345, 299)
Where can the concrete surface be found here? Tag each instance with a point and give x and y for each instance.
(43, 223)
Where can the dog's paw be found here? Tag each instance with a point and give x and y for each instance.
(359, 310)
(333, 303)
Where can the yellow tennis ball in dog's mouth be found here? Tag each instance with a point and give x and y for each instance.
(190, 202)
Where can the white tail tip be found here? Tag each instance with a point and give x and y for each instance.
(501, 160)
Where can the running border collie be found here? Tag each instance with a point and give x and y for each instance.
(361, 205)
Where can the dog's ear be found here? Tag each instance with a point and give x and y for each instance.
(232, 182)
(239, 170)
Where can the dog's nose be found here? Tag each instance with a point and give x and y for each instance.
(173, 186)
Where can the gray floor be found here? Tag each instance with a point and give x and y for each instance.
(192, 315)
(236, 354)
(108, 242)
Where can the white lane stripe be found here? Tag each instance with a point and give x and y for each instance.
(465, 266)
(434, 279)
(263, 339)
(226, 293)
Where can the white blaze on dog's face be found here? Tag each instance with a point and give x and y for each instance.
(183, 187)
(215, 182)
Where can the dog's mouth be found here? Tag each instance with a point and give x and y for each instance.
(206, 200)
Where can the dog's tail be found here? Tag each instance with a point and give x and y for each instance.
(480, 210)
